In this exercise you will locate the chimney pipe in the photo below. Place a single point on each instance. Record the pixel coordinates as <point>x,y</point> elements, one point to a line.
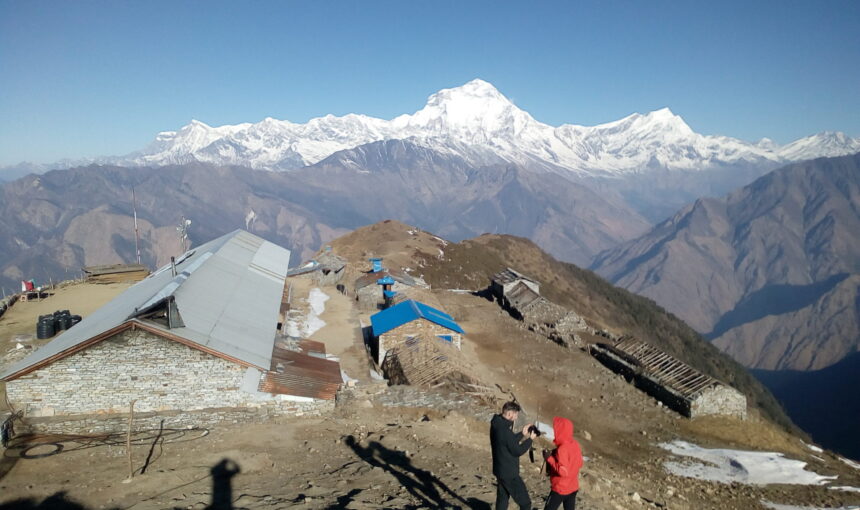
<point>173,266</point>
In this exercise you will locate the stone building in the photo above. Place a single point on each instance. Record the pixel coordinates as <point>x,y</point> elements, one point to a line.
<point>191,342</point>
<point>510,286</point>
<point>411,319</point>
<point>520,296</point>
<point>671,381</point>
<point>368,292</point>
<point>327,269</point>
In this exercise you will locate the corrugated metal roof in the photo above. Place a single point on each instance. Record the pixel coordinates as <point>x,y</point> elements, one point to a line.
<point>667,369</point>
<point>114,268</point>
<point>302,375</point>
<point>228,293</point>
<point>409,311</point>
<point>509,275</point>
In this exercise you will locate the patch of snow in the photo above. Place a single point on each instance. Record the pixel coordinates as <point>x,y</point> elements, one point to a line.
<point>346,378</point>
<point>460,291</point>
<point>845,488</point>
<point>376,375</point>
<point>813,448</point>
<point>747,467</point>
<point>305,326</point>
<point>249,219</point>
<point>850,462</point>
<point>777,506</point>
<point>316,300</point>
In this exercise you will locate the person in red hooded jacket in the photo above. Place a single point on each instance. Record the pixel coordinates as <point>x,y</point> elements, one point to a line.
<point>563,465</point>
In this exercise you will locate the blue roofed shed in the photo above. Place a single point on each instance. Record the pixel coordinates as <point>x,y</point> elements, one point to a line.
<point>411,319</point>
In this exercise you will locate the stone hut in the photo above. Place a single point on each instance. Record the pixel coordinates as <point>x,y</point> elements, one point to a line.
<point>327,269</point>
<point>510,286</point>
<point>193,343</point>
<point>671,381</point>
<point>411,319</point>
<point>520,296</point>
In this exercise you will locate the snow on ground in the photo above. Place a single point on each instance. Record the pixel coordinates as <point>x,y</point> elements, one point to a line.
<point>813,448</point>
<point>777,506</point>
<point>727,466</point>
<point>304,327</point>
<point>850,462</point>
<point>316,300</point>
<point>845,488</point>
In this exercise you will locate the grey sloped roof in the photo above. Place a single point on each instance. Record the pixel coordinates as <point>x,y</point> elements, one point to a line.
<point>228,293</point>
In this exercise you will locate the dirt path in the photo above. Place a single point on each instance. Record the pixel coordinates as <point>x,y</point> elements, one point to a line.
<point>341,323</point>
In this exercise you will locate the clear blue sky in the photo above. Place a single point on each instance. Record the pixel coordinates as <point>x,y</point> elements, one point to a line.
<point>88,78</point>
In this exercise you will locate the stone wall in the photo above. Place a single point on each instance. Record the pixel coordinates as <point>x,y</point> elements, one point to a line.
<point>720,400</point>
<point>163,376</point>
<point>414,328</point>
<point>118,422</point>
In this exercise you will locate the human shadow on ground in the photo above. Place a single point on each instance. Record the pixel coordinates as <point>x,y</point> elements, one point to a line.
<point>58,501</point>
<point>221,473</point>
<point>427,489</point>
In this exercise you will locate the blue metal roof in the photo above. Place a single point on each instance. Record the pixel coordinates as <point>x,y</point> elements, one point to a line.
<point>409,311</point>
<point>387,280</point>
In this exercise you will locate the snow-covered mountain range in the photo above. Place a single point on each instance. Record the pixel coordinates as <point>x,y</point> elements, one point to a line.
<point>476,122</point>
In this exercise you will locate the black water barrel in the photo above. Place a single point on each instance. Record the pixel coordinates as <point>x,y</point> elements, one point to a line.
<point>59,313</point>
<point>64,322</point>
<point>76,319</point>
<point>46,327</point>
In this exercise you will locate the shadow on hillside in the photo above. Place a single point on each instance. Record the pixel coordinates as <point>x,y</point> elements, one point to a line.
<point>420,483</point>
<point>773,300</point>
<point>221,473</point>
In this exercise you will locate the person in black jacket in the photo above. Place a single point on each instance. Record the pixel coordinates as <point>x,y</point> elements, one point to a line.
<point>507,448</point>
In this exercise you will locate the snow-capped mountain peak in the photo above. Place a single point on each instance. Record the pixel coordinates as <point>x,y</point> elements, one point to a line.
<point>479,124</point>
<point>475,113</point>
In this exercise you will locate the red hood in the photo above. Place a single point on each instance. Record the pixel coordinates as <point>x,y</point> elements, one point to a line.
<point>563,429</point>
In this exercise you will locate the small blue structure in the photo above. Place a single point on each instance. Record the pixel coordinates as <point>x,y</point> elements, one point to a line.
<point>386,280</point>
<point>408,311</point>
<point>377,264</point>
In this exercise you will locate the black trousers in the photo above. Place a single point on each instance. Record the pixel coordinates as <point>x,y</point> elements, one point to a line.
<point>555,499</point>
<point>514,487</point>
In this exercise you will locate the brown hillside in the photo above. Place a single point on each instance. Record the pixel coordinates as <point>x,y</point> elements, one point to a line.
<point>471,263</point>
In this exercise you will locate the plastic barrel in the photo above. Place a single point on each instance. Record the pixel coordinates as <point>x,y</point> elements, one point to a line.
<point>64,322</point>
<point>46,327</point>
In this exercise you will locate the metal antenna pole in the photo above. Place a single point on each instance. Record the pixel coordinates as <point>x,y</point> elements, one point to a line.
<point>136,232</point>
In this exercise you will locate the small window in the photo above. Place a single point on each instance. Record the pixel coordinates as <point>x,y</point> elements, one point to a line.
<point>447,338</point>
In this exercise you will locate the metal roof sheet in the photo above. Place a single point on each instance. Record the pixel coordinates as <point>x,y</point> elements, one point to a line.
<point>510,275</point>
<point>228,293</point>
<point>303,375</point>
<point>409,311</point>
